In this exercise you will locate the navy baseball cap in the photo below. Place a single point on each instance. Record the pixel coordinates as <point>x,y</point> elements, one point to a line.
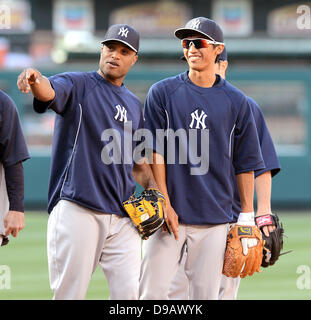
<point>207,27</point>
<point>123,33</point>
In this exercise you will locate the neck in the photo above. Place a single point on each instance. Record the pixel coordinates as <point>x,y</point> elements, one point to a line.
<point>203,79</point>
<point>116,81</point>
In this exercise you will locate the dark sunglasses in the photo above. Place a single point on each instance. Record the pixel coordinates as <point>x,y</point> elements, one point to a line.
<point>198,43</point>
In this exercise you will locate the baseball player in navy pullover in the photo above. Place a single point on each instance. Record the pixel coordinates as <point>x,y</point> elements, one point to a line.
<point>88,224</point>
<point>216,120</point>
<point>179,289</point>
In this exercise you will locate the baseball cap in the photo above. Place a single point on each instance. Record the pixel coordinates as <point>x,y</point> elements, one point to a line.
<point>123,33</point>
<point>207,27</point>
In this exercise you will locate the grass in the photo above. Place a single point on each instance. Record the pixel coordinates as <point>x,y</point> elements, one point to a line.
<point>280,280</point>
<point>27,259</point>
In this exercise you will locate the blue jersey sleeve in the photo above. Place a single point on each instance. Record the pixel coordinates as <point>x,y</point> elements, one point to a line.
<point>63,85</point>
<point>267,147</point>
<point>13,148</point>
<point>155,119</point>
<point>247,154</point>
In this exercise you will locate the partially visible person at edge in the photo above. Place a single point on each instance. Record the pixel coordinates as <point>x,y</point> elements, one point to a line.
<point>13,151</point>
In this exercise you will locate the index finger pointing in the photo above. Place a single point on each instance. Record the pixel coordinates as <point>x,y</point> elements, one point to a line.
<point>29,72</point>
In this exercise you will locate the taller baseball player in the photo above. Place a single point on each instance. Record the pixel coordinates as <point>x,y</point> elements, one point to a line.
<point>13,151</point>
<point>229,286</point>
<point>88,224</point>
<point>199,205</point>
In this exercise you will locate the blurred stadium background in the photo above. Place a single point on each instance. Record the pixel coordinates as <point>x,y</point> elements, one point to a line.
<point>269,49</point>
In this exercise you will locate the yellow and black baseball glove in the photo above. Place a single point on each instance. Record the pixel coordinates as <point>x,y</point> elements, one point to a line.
<point>146,211</point>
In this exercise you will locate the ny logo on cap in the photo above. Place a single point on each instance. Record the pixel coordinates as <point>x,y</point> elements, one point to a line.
<point>121,114</point>
<point>194,24</point>
<point>123,32</point>
<point>200,119</point>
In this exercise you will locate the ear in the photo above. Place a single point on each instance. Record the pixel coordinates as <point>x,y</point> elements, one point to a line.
<point>220,49</point>
<point>225,65</point>
<point>135,58</point>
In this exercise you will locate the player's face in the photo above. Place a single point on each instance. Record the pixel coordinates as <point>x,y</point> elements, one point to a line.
<point>116,60</point>
<point>201,58</point>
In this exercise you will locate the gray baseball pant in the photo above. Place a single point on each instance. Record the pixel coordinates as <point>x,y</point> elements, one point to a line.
<point>179,289</point>
<point>203,267</point>
<point>78,239</point>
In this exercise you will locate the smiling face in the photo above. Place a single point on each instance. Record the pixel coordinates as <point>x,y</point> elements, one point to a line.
<point>115,61</point>
<point>203,58</point>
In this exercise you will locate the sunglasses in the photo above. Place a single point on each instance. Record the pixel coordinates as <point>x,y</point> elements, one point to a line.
<point>198,43</point>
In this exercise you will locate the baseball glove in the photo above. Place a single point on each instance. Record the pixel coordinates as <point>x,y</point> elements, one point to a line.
<point>5,241</point>
<point>235,262</point>
<point>146,211</point>
<point>274,243</point>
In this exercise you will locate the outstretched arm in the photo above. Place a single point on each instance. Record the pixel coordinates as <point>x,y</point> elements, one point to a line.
<point>40,86</point>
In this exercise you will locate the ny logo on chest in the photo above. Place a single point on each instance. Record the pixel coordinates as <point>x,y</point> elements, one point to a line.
<point>198,120</point>
<point>121,114</point>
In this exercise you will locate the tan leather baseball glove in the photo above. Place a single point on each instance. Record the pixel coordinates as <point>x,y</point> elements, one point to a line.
<point>236,262</point>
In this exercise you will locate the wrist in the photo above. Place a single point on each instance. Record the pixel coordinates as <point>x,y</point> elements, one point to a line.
<point>263,212</point>
<point>264,220</point>
<point>167,201</point>
<point>16,212</point>
<point>246,218</point>
<point>151,184</point>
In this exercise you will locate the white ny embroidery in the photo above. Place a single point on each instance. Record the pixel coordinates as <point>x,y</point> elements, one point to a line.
<point>121,114</point>
<point>200,119</point>
<point>123,32</point>
<point>194,24</point>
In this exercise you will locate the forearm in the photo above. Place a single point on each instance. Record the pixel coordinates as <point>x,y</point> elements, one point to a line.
<point>42,90</point>
<point>14,178</point>
<point>245,183</point>
<point>159,171</point>
<point>263,185</point>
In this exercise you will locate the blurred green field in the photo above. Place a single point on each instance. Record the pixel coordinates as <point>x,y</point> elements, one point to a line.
<point>27,260</point>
